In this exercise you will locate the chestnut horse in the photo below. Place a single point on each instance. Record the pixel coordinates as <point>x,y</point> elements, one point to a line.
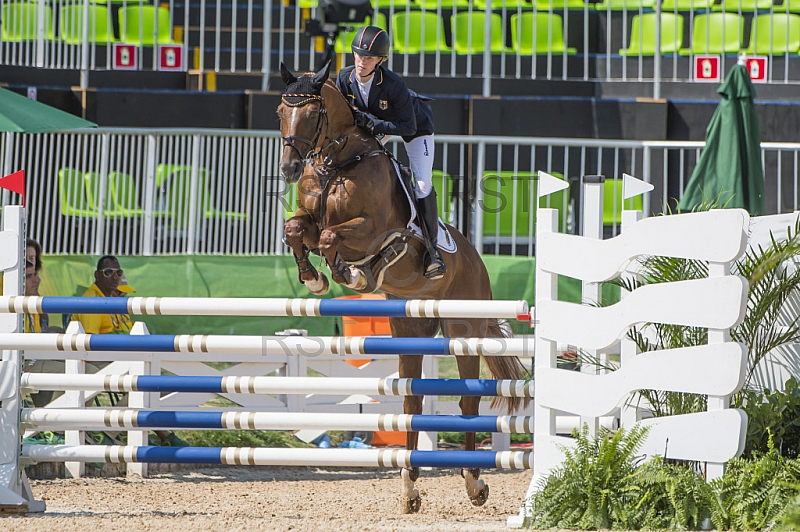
<point>354,212</point>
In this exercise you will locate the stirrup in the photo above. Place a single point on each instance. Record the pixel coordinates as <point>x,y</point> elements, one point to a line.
<point>434,267</point>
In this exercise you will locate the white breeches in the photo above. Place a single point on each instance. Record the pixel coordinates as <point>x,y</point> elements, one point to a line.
<point>420,158</point>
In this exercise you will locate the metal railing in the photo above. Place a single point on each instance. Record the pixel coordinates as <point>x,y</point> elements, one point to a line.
<point>540,40</point>
<point>162,191</point>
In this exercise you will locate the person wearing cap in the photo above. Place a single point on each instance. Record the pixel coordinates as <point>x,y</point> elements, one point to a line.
<point>108,282</point>
<point>384,106</point>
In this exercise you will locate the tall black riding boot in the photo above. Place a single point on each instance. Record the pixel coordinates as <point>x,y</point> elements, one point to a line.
<point>434,267</point>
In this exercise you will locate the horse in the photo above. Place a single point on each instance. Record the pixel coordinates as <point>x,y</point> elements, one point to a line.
<point>354,211</point>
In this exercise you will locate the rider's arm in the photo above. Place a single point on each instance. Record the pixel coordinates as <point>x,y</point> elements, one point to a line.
<point>406,122</point>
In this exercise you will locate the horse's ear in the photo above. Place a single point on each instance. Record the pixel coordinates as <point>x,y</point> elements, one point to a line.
<point>286,75</point>
<point>321,77</point>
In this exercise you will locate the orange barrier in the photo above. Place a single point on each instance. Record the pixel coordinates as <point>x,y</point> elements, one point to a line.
<point>371,326</point>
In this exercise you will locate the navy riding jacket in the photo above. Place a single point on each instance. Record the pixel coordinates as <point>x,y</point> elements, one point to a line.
<point>397,109</point>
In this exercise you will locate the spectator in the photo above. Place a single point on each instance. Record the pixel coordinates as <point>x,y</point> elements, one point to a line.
<point>107,282</point>
<point>33,265</point>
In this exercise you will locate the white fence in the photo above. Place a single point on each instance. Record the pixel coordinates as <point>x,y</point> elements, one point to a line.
<point>514,39</point>
<point>160,191</point>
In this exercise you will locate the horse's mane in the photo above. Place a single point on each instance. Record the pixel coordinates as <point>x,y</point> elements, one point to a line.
<point>338,108</point>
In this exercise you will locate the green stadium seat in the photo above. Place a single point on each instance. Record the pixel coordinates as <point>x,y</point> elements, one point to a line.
<point>686,5</point>
<point>424,32</point>
<point>72,194</point>
<point>500,4</point>
<point>559,5</point>
<point>776,34</point>
<point>644,30</point>
<point>736,6</point>
<point>342,44</point>
<point>397,4</point>
<point>92,180</point>
<point>101,28</point>
<point>146,25</point>
<point>716,33</point>
<point>446,4</point>
<point>468,33</point>
<point>20,22</point>
<point>124,191</point>
<point>625,5</point>
<point>788,6</point>
<point>613,204</point>
<point>538,33</point>
<point>501,212</point>
<point>175,190</point>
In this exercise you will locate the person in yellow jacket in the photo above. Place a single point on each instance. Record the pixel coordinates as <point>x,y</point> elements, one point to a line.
<point>108,282</point>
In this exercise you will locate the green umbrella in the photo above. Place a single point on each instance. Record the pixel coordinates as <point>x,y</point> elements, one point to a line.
<point>729,169</point>
<point>23,115</point>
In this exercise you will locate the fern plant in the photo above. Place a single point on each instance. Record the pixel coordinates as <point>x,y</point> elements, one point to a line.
<point>589,491</point>
<point>599,486</point>
<point>753,494</point>
<point>670,497</point>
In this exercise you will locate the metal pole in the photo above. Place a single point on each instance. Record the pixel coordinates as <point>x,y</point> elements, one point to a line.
<point>657,56</point>
<point>267,46</point>
<point>487,52</point>
<point>85,46</point>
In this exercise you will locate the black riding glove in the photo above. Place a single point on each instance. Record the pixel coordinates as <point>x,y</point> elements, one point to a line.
<point>364,120</point>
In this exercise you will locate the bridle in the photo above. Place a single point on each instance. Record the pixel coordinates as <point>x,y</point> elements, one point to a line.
<point>301,100</point>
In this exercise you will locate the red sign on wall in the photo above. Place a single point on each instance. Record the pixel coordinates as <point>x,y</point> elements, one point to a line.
<point>757,66</point>
<point>706,68</point>
<point>170,57</point>
<point>126,56</point>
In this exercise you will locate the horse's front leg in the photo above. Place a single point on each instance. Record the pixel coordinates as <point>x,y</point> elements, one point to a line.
<point>301,234</point>
<point>355,235</point>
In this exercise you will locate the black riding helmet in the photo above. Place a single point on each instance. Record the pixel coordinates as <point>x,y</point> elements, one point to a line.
<point>371,40</point>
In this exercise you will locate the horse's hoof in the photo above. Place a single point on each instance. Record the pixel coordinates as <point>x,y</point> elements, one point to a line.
<point>481,497</point>
<point>412,506</point>
<point>318,286</point>
<point>358,281</point>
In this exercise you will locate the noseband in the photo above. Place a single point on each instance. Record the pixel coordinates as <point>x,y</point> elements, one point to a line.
<point>300,100</point>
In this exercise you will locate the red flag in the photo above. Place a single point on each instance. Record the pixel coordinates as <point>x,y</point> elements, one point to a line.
<point>15,183</point>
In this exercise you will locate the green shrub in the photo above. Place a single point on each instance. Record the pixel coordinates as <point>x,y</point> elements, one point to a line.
<point>753,493</point>
<point>599,486</point>
<point>776,414</point>
<point>591,489</point>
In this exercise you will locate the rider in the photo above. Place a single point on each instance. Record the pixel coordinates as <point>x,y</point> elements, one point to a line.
<point>384,105</point>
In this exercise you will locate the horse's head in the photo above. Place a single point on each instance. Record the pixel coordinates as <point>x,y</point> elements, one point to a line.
<point>303,115</point>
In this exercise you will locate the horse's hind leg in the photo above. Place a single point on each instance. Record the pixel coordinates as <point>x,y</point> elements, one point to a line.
<point>469,367</point>
<point>411,368</point>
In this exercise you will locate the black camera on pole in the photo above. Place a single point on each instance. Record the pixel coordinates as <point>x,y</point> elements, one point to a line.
<point>336,16</point>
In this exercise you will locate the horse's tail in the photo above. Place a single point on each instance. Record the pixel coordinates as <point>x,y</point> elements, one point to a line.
<point>505,367</point>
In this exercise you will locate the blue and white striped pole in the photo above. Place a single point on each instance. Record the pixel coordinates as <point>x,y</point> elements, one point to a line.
<point>270,345</point>
<point>278,385</point>
<point>219,306</point>
<point>282,456</point>
<point>102,419</point>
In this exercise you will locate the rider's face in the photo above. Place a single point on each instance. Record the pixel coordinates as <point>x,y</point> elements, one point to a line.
<point>365,65</point>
